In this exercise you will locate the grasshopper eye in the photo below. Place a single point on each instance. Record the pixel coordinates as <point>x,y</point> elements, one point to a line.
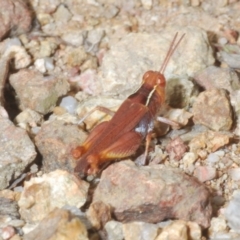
<point>161,80</point>
<point>146,75</point>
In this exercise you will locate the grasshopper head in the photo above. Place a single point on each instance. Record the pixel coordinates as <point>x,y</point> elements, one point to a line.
<point>153,79</point>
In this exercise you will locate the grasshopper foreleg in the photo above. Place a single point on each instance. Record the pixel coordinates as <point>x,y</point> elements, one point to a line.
<point>172,123</point>
<point>97,108</point>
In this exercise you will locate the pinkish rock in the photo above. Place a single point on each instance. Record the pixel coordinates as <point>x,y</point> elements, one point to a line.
<point>212,109</point>
<point>205,173</point>
<point>17,17</point>
<point>37,92</point>
<point>209,140</point>
<point>59,224</point>
<point>152,194</point>
<point>55,141</point>
<point>16,152</point>
<point>216,78</point>
<point>176,148</point>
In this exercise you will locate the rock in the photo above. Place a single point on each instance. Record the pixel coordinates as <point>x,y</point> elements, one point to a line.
<point>12,48</point>
<point>43,91</point>
<point>212,159</point>
<point>176,148</point>
<point>7,232</point>
<point>140,230</point>
<point>176,230</point>
<point>29,117</point>
<point>147,4</point>
<point>181,116</point>
<point>93,39</point>
<point>56,189</point>
<point>180,230</point>
<point>88,82</point>
<point>9,208</point>
<point>179,91</point>
<point>158,197</point>
<point>235,102</point>
<point>205,173</point>
<point>188,162</point>
<point>232,214</point>
<point>231,59</point>
<point>212,109</point>
<point>114,230</point>
<point>16,152</point>
<point>17,17</point>
<point>62,14</point>
<point>234,173</point>
<point>69,103</point>
<point>74,56</point>
<point>218,225</point>
<point>58,224</point>
<point>216,78</point>
<point>124,65</point>
<point>98,214</point>
<point>194,231</point>
<point>55,141</point>
<point>209,140</point>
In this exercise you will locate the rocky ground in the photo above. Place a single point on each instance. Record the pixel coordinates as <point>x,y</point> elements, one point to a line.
<point>59,60</point>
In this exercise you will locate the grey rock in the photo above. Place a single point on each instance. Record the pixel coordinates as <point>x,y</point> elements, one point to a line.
<point>9,207</point>
<point>59,224</point>
<point>55,141</point>
<point>16,152</point>
<point>37,92</point>
<point>114,230</point>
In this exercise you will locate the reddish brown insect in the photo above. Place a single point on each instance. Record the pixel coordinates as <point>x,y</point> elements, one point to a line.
<point>120,137</point>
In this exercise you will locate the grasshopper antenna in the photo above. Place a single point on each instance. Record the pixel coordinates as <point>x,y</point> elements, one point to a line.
<point>170,52</point>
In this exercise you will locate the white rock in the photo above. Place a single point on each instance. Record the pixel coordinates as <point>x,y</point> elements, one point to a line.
<point>232,212</point>
<point>140,230</point>
<point>114,230</point>
<point>188,161</point>
<point>75,38</point>
<point>176,230</point>
<point>69,103</point>
<point>147,4</point>
<point>40,65</point>
<point>55,189</point>
<point>212,158</point>
<point>234,173</point>
<point>218,224</point>
<point>62,14</point>
<point>30,117</point>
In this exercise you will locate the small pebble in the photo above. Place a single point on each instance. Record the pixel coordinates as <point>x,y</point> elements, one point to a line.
<point>212,158</point>
<point>222,41</point>
<point>69,103</point>
<point>8,232</point>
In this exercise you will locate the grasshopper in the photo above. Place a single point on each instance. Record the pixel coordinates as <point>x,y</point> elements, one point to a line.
<point>120,137</point>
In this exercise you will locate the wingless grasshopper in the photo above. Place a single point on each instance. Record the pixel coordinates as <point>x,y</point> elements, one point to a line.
<point>120,137</point>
